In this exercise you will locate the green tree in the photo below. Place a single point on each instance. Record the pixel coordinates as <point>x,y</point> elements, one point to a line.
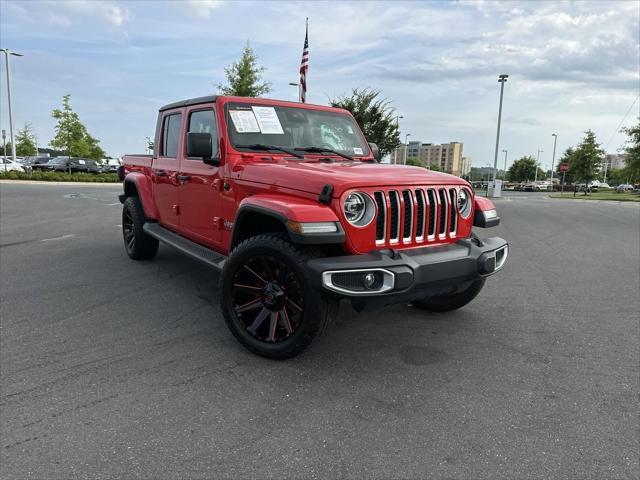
<point>524,169</point>
<point>72,136</point>
<point>632,150</point>
<point>244,77</point>
<point>586,159</point>
<point>414,162</point>
<point>374,115</point>
<point>25,142</point>
<point>567,157</point>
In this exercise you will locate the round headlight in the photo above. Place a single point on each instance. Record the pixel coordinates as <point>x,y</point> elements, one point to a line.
<point>358,209</point>
<point>464,203</point>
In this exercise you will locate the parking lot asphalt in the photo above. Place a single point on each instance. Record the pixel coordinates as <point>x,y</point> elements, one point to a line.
<point>114,368</point>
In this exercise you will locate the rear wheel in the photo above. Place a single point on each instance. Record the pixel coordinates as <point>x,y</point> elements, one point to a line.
<point>453,301</point>
<point>267,300</point>
<point>137,243</point>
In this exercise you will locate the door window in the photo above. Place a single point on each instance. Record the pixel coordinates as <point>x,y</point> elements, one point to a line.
<point>204,121</point>
<point>171,135</point>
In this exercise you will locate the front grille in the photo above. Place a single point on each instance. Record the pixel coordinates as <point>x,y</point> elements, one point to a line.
<point>408,215</point>
<point>381,225</point>
<point>420,215</point>
<point>394,216</point>
<point>453,215</point>
<point>442,219</point>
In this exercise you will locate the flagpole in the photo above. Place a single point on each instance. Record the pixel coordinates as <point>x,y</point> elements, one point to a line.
<point>306,36</point>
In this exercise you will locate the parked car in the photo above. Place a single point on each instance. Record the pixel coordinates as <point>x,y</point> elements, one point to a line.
<point>625,187</point>
<point>109,168</point>
<point>28,162</point>
<point>8,165</point>
<point>288,201</point>
<point>69,165</point>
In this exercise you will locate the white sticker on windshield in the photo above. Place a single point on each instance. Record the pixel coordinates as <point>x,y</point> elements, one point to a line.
<point>81,162</point>
<point>268,120</point>
<point>244,121</point>
<point>357,151</point>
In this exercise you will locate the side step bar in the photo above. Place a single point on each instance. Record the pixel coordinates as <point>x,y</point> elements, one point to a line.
<point>194,250</point>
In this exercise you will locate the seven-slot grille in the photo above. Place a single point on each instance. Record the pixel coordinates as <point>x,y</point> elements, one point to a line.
<point>416,215</point>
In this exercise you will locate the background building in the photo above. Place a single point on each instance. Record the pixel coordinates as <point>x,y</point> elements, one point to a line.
<point>465,168</point>
<point>615,160</point>
<point>447,156</point>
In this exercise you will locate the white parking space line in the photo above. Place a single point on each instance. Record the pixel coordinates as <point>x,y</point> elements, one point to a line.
<point>56,239</point>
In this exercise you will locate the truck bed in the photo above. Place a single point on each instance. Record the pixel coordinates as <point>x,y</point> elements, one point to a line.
<point>136,163</point>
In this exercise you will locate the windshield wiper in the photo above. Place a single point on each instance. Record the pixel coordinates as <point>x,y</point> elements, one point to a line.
<point>262,146</point>
<point>324,150</point>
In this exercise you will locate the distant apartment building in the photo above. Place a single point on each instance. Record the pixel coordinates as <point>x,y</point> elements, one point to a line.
<point>615,160</point>
<point>465,168</point>
<point>447,156</point>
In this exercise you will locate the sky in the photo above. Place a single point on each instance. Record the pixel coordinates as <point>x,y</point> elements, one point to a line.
<point>572,65</point>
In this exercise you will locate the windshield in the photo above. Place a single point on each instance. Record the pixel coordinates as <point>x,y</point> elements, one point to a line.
<point>294,128</point>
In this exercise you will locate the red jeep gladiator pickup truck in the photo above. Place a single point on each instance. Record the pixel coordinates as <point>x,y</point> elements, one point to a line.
<point>289,202</point>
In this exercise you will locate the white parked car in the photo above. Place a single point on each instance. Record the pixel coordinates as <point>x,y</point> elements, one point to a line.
<point>8,165</point>
<point>625,187</point>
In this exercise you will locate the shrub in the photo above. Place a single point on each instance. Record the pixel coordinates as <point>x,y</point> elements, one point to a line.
<point>60,177</point>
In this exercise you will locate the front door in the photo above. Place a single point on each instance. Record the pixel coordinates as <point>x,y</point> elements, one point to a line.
<point>165,169</point>
<point>201,184</point>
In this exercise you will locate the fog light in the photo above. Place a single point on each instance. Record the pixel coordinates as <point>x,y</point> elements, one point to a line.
<point>369,280</point>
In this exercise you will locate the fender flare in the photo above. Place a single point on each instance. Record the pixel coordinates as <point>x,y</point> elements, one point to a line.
<point>286,209</point>
<point>485,214</point>
<point>141,184</point>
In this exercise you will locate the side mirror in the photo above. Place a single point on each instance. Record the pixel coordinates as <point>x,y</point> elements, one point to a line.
<point>376,151</point>
<point>201,145</point>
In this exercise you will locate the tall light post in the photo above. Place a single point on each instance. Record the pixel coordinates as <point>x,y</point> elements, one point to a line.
<point>504,175</point>
<point>502,79</point>
<point>7,54</point>
<point>406,147</point>
<point>395,152</point>
<point>537,163</point>
<point>553,157</point>
<point>294,84</point>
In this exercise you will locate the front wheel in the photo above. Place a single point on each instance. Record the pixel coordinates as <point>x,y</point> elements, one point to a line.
<point>453,301</point>
<point>137,243</point>
<point>267,300</point>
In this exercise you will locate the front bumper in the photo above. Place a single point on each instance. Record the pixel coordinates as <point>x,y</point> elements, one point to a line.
<point>404,275</point>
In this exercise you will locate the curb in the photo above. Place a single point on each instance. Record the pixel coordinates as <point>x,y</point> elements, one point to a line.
<point>82,184</point>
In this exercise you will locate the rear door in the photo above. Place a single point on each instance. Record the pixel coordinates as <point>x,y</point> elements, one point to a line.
<point>165,168</point>
<point>201,184</point>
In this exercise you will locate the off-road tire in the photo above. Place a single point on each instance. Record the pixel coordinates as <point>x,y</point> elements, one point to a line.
<point>138,245</point>
<point>318,309</point>
<point>447,303</point>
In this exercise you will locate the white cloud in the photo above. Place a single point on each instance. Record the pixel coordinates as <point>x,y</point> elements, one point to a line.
<point>67,13</point>
<point>203,8</point>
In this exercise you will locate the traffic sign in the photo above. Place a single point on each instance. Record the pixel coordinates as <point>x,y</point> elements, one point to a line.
<point>564,167</point>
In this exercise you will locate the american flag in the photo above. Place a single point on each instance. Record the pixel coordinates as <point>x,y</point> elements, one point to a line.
<point>304,66</point>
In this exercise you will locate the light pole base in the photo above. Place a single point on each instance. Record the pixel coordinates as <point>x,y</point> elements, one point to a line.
<point>495,189</point>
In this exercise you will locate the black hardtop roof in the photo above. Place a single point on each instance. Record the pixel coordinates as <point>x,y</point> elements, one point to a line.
<point>190,101</point>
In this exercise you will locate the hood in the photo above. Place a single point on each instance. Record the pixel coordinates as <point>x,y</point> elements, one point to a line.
<point>312,176</point>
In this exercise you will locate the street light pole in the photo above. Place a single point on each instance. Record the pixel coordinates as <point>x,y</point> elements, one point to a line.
<point>504,175</point>
<point>395,152</point>
<point>553,157</point>
<point>406,147</point>
<point>502,80</point>
<point>8,53</point>
<point>537,163</point>
<point>294,84</point>
<point>4,145</point>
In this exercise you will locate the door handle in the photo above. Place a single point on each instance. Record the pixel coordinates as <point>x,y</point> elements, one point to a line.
<point>184,178</point>
<point>160,173</point>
